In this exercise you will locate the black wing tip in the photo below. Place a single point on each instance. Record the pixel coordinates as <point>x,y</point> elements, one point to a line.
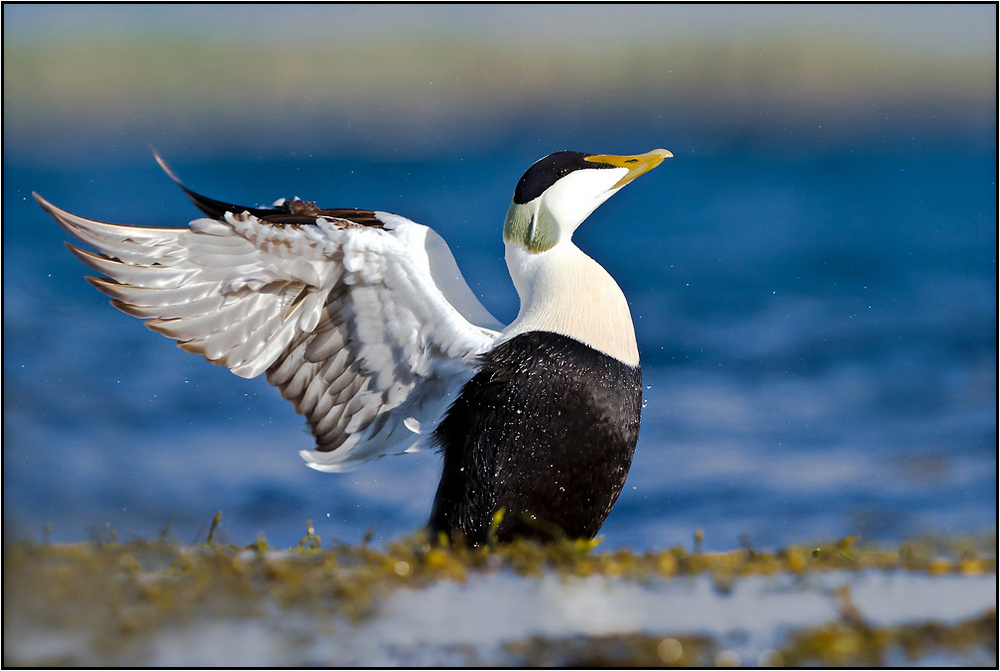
<point>289,212</point>
<point>216,209</point>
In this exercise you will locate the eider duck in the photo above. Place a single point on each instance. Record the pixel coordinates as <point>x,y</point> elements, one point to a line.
<point>364,322</point>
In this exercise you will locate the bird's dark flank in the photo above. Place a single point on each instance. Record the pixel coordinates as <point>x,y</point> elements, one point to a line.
<point>545,431</point>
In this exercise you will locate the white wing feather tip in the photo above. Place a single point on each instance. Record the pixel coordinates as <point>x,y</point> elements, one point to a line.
<point>368,331</point>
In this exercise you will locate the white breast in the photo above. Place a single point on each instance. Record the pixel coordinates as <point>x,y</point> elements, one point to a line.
<point>565,291</point>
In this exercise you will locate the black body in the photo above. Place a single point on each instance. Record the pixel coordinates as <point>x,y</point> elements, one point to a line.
<point>545,430</point>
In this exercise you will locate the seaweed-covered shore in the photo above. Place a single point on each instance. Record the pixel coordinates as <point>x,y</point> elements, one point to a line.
<point>414,602</point>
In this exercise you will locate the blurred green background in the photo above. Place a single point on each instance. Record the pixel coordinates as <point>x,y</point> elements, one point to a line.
<point>401,79</point>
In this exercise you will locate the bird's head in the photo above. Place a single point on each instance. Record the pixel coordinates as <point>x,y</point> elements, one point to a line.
<point>559,191</point>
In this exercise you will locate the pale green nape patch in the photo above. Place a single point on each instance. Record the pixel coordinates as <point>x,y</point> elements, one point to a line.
<point>530,226</point>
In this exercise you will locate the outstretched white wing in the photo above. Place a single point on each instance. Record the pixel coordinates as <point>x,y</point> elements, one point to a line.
<point>367,328</point>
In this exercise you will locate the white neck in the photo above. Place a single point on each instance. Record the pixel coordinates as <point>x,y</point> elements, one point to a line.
<point>565,291</point>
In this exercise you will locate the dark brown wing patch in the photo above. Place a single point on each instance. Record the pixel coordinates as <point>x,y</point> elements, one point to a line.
<point>304,212</point>
<point>288,212</point>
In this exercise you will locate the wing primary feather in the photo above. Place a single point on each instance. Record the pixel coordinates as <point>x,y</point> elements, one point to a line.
<point>151,276</point>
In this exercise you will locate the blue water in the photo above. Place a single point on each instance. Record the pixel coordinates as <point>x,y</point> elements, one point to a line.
<point>817,324</point>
